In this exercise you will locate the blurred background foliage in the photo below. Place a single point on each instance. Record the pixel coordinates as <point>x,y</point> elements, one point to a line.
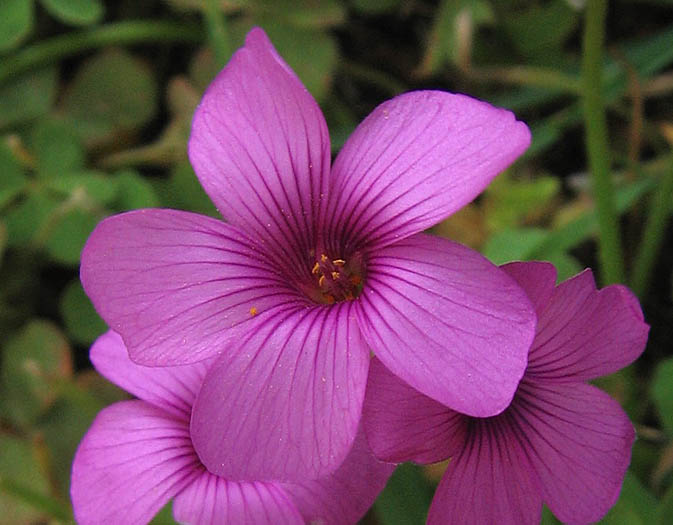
<point>96,99</point>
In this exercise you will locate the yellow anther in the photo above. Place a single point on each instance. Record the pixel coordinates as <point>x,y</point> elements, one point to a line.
<point>323,258</point>
<point>316,269</point>
<point>253,311</point>
<point>321,281</point>
<point>335,276</point>
<point>338,262</point>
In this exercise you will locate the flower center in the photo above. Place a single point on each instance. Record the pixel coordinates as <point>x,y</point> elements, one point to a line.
<point>337,279</point>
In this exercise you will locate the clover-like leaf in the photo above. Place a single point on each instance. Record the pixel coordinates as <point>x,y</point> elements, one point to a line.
<point>16,22</point>
<point>34,361</point>
<point>113,92</point>
<point>27,96</point>
<point>81,320</point>
<point>75,12</point>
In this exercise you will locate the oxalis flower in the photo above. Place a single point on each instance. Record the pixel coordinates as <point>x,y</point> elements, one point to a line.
<point>561,441</point>
<point>314,267</point>
<point>138,455</point>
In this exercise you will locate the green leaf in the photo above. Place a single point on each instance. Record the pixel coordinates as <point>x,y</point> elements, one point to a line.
<point>523,244</point>
<point>164,516</point>
<point>297,13</point>
<point>63,427</point>
<point>665,508</point>
<point>623,386</point>
<point>100,388</point>
<point>636,505</point>
<point>171,147</point>
<point>183,191</point>
<point>111,93</point>
<point>35,361</point>
<point>27,219</point>
<point>566,265</point>
<point>16,22</point>
<point>58,148</point>
<point>134,192</point>
<point>81,320</point>
<point>569,235</point>
<point>508,201</point>
<point>68,234</point>
<point>513,245</point>
<point>12,178</point>
<point>3,240</point>
<point>28,96</point>
<point>20,468</point>
<point>648,55</point>
<point>75,12</point>
<point>375,6</point>
<point>540,30</point>
<point>85,186</point>
<point>547,517</point>
<point>661,390</point>
<point>406,497</point>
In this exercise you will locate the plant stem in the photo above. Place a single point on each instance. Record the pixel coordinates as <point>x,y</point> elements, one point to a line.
<point>528,76</point>
<point>610,249</point>
<point>655,228</point>
<point>217,33</point>
<point>131,32</point>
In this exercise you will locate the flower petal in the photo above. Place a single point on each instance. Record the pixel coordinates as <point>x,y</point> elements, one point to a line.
<point>285,402</point>
<point>171,388</point>
<point>489,482</point>
<point>416,159</point>
<point>538,280</point>
<point>585,333</point>
<point>448,322</point>
<point>131,462</point>
<point>404,425</point>
<point>579,442</point>
<point>344,496</point>
<point>173,283</point>
<point>211,500</point>
<point>261,150</point>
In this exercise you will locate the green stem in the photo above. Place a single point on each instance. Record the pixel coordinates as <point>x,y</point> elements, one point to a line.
<point>130,32</point>
<point>653,235</point>
<point>528,76</point>
<point>217,33</point>
<point>610,249</point>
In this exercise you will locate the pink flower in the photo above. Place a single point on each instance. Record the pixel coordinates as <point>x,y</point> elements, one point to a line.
<point>138,455</point>
<point>561,441</point>
<point>315,267</point>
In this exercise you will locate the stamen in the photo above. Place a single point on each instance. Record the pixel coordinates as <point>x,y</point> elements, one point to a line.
<point>337,279</point>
